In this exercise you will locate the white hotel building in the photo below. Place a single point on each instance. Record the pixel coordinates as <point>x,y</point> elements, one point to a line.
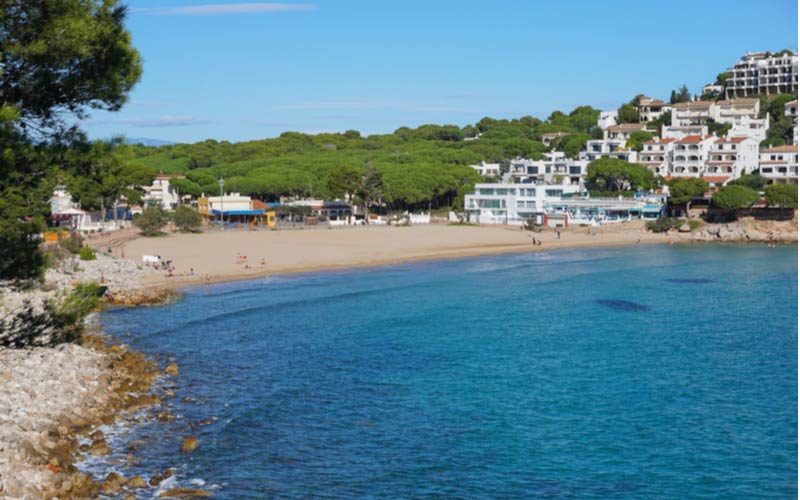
<point>556,168</point>
<point>513,203</point>
<point>762,73</point>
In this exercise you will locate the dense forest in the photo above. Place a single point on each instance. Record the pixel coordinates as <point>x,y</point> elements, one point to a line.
<point>422,167</point>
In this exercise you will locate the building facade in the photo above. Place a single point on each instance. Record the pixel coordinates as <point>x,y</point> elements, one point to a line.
<point>651,109</point>
<point>513,203</point>
<point>762,73</point>
<point>779,164</point>
<point>556,168</point>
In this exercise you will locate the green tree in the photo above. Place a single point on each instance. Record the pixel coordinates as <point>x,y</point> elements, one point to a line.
<point>637,139</point>
<point>735,198</point>
<point>612,174</point>
<point>370,189</point>
<point>753,181</point>
<point>628,113</point>
<point>781,195</point>
<point>57,60</point>
<point>151,220</point>
<point>682,95</point>
<point>682,190</point>
<point>186,218</point>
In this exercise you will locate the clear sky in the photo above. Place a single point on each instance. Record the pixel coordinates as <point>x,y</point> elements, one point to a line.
<point>249,70</point>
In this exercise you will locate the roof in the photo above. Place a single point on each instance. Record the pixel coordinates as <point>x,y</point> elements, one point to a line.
<point>663,140</point>
<point>554,134</point>
<point>170,176</point>
<point>781,149</point>
<point>714,178</point>
<point>743,102</point>
<point>692,105</point>
<point>737,139</point>
<point>627,127</point>
<point>693,139</point>
<point>791,103</point>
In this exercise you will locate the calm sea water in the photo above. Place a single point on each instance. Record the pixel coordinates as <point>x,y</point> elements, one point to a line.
<point>647,372</point>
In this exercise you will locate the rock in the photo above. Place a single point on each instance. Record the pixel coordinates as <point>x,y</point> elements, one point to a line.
<point>136,482</point>
<point>172,369</point>
<point>685,228</point>
<point>129,496</point>
<point>165,417</point>
<point>189,444</point>
<point>169,394</point>
<point>185,493</point>
<point>112,484</point>
<point>158,478</point>
<point>100,447</point>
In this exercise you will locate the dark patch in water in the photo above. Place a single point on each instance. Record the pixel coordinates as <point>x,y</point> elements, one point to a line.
<point>699,281</point>
<point>622,305</point>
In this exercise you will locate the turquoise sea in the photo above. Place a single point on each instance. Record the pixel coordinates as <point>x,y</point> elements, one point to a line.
<point>640,372</point>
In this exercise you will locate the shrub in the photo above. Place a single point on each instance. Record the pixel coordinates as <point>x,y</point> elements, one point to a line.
<point>663,224</point>
<point>72,243</point>
<point>87,253</point>
<point>187,219</point>
<point>150,221</point>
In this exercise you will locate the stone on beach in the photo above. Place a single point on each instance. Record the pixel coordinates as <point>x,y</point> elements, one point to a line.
<point>189,444</point>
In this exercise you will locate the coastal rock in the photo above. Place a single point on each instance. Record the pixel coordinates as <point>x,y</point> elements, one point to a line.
<point>172,369</point>
<point>189,444</point>
<point>185,493</point>
<point>112,485</point>
<point>99,448</point>
<point>136,482</point>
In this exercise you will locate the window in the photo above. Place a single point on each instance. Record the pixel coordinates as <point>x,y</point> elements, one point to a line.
<point>554,192</point>
<point>575,170</point>
<point>485,191</point>
<point>533,170</point>
<point>547,170</point>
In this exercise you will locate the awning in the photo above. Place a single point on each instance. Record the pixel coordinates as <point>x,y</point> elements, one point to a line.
<point>237,212</point>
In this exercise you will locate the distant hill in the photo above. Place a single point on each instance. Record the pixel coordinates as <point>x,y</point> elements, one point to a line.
<point>148,141</point>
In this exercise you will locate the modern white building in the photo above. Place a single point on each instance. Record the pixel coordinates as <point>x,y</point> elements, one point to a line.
<point>513,203</point>
<point>679,132</point>
<point>762,73</point>
<point>651,109</point>
<point>790,110</point>
<point>691,113</point>
<point>161,194</point>
<point>487,169</point>
<point>779,164</point>
<point>731,157</point>
<point>608,148</point>
<point>607,119</point>
<point>556,168</point>
<point>623,131</point>
<point>656,155</point>
<point>595,211</point>
<point>689,155</point>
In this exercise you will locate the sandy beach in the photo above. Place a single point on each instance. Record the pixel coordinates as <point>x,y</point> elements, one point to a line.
<point>220,254</point>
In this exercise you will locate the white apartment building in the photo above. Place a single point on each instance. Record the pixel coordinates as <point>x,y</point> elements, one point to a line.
<point>762,73</point>
<point>651,109</point>
<point>733,110</point>
<point>657,155</point>
<point>608,148</point>
<point>679,132</point>
<point>623,132</point>
<point>790,110</point>
<point>732,157</point>
<point>513,203</point>
<point>161,194</point>
<point>689,155</point>
<point>691,113</point>
<point>487,169</point>
<point>607,119</point>
<point>779,164</point>
<point>556,168</point>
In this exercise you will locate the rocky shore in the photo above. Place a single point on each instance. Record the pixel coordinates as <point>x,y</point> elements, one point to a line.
<point>54,399</point>
<point>745,230</point>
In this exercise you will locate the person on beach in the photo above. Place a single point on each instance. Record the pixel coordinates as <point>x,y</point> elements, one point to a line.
<point>207,279</point>
<point>558,234</point>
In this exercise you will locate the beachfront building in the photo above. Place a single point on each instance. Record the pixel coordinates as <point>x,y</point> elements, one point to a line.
<point>66,213</point>
<point>161,194</point>
<point>486,169</point>
<point>513,204</point>
<point>335,210</point>
<point>763,73</point>
<point>651,109</point>
<point>731,157</point>
<point>233,208</point>
<point>689,155</point>
<point>691,113</point>
<point>608,148</point>
<point>594,211</point>
<point>607,119</point>
<point>656,155</point>
<point>556,168</point>
<point>779,164</point>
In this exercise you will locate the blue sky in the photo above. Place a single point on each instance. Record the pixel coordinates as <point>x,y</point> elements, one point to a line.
<point>249,70</point>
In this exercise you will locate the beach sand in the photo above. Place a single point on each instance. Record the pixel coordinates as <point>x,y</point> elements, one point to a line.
<point>217,253</point>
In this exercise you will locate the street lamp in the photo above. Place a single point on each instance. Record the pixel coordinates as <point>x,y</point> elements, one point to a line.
<point>221,202</point>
